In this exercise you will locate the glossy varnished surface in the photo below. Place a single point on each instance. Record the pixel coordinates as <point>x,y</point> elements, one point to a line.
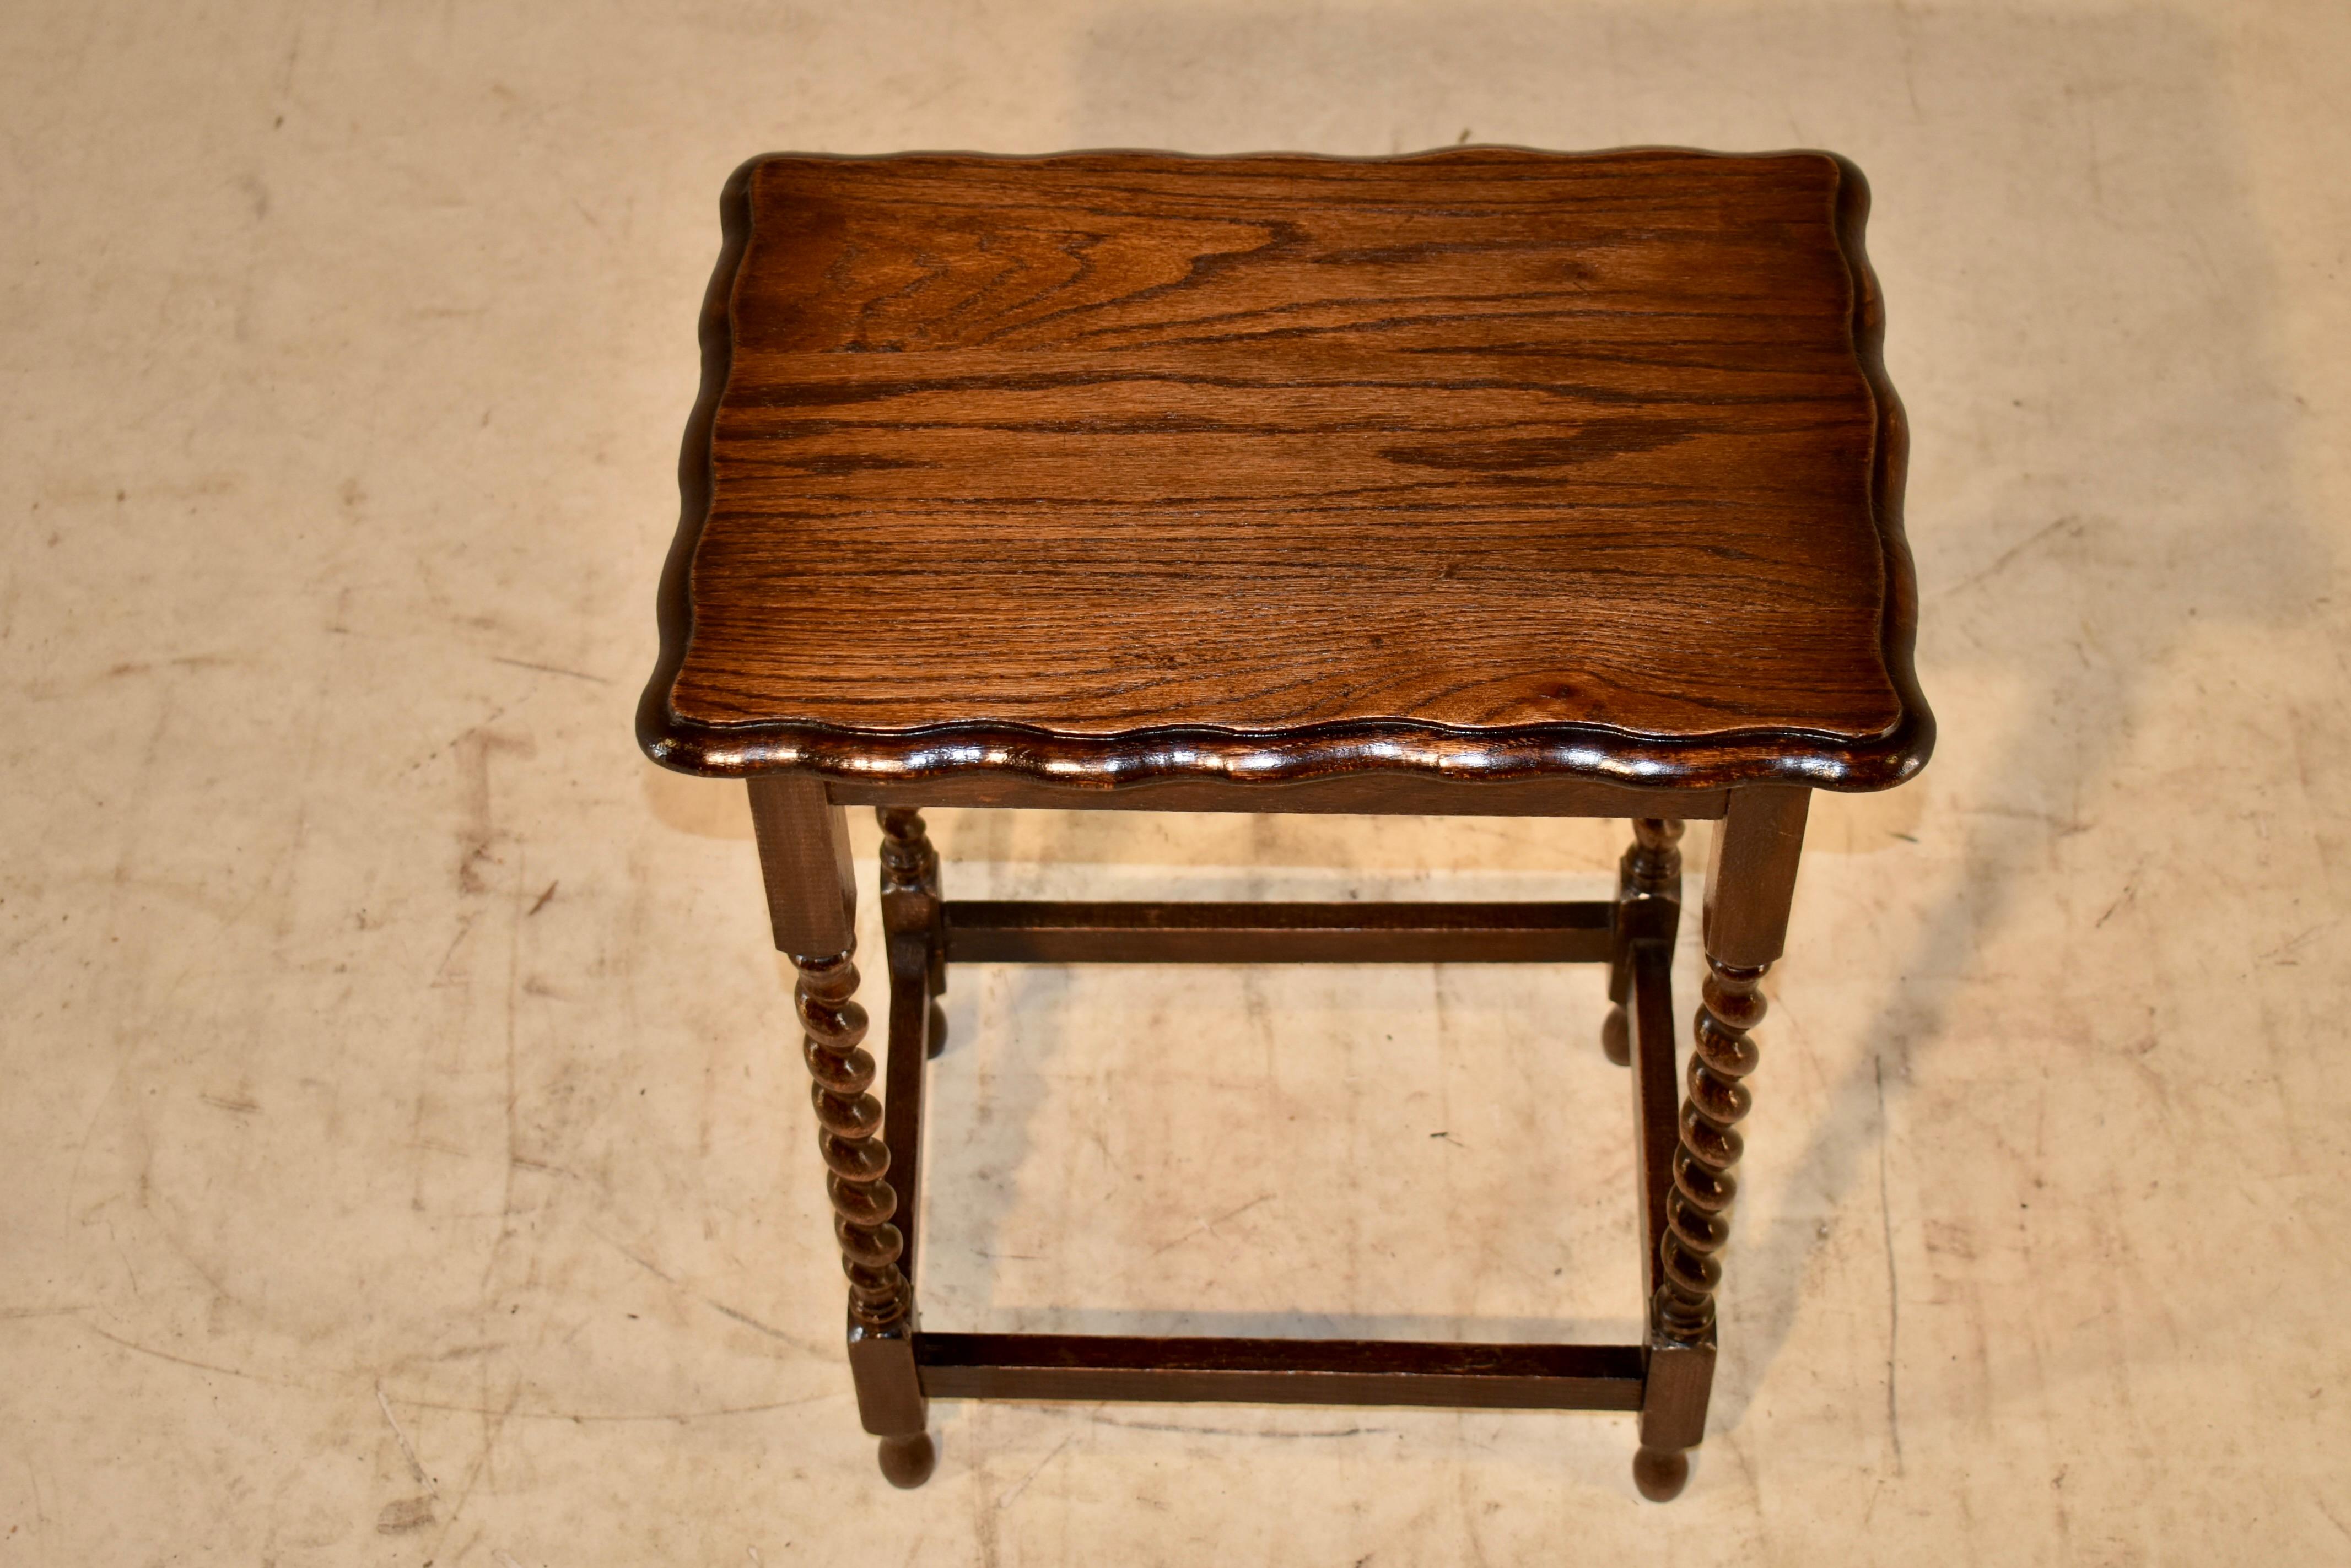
<point>1108,468</point>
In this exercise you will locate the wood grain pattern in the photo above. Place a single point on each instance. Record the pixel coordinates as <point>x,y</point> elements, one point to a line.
<point>804,863</point>
<point>1114,468</point>
<point>1750,874</point>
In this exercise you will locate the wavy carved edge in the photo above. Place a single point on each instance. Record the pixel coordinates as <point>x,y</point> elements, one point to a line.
<point>1595,753</point>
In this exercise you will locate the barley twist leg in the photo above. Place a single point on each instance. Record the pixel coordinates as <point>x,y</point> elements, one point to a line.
<point>849,1120</point>
<point>1697,1209</point>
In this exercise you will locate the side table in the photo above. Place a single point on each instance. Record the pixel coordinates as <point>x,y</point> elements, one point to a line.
<point>1487,481</point>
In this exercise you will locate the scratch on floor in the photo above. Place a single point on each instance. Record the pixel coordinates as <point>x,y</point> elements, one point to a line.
<point>747,1321</point>
<point>465,929</point>
<point>513,1117</point>
<point>491,1426</point>
<point>1022,1484</point>
<point>41,1510</point>
<point>2293,944</point>
<point>495,715</point>
<point>416,1467</point>
<point>1102,1420</point>
<point>1893,1282</point>
<point>644,1263</point>
<point>1206,1225</point>
<point>581,1418</point>
<point>2007,556</point>
<point>550,669</point>
<point>183,1360</point>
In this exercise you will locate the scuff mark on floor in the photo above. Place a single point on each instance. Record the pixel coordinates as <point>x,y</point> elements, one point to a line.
<point>1893,1281</point>
<point>1022,1484</point>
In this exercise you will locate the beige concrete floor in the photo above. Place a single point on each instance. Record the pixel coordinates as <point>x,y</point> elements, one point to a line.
<point>403,1156</point>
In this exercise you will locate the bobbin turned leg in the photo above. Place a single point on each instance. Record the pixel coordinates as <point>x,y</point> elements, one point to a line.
<point>910,904</point>
<point>1749,881</point>
<point>811,901</point>
<point>1650,871</point>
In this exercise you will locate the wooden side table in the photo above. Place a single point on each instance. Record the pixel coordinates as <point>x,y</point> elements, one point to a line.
<point>1486,482</point>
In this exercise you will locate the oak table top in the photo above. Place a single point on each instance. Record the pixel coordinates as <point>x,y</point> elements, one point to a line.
<point>1121,467</point>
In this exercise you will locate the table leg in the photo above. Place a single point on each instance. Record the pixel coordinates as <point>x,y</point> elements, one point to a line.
<point>1751,881</point>
<point>911,903</point>
<point>811,903</point>
<point>1651,868</point>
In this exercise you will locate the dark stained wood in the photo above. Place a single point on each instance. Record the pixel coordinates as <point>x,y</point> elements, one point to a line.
<point>1481,482</point>
<point>911,905</point>
<point>1367,793</point>
<point>889,1387</point>
<point>890,1401</point>
<point>804,864</point>
<point>812,901</point>
<point>856,1159</point>
<point>1485,465</point>
<point>1750,888</point>
<point>1677,1374</point>
<point>1750,877</point>
<point>1679,1385</point>
<point>911,1010</point>
<point>1674,1400</point>
<point>882,1361</point>
<point>1650,875</point>
<point>910,871</point>
<point>1203,932</point>
<point>907,1461</point>
<point>1697,1217</point>
<point>1657,1090</point>
<point>1281,1371</point>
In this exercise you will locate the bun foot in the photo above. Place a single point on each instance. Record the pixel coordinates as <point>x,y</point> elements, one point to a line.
<point>1616,1037</point>
<point>908,1462</point>
<point>938,1031</point>
<point>1661,1473</point>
